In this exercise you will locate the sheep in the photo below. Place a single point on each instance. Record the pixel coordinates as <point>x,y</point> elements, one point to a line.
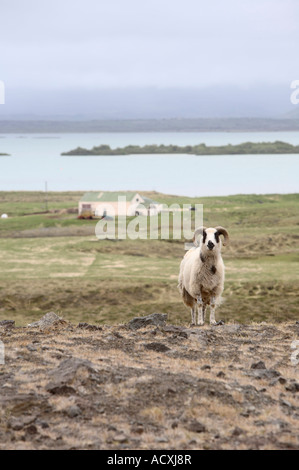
<point>201,278</point>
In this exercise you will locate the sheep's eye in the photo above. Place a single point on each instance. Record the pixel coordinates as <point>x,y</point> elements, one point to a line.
<point>217,237</point>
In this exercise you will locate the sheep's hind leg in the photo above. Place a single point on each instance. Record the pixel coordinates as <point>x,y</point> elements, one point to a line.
<point>212,312</point>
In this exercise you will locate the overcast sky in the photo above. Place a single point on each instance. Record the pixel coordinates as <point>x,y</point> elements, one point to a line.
<point>78,46</point>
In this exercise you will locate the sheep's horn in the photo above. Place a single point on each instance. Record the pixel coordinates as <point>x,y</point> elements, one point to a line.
<point>223,232</point>
<point>198,231</point>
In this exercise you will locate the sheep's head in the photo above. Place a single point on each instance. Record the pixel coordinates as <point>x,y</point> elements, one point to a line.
<point>210,238</point>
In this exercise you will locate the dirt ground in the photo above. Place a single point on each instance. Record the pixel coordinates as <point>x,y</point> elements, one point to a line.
<point>149,385</point>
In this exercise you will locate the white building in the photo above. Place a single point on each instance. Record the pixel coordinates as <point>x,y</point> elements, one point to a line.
<point>118,203</point>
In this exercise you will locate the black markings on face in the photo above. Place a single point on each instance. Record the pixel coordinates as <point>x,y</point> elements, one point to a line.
<point>204,236</point>
<point>217,237</point>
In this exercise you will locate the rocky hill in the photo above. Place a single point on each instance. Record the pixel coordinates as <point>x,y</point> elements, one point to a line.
<point>149,385</point>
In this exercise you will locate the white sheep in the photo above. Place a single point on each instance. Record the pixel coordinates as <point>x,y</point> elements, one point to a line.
<point>201,278</point>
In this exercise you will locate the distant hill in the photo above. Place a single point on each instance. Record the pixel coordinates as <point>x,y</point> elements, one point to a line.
<point>247,148</point>
<point>151,125</point>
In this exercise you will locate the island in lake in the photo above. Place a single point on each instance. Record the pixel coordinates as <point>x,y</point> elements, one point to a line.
<point>4,155</point>
<point>247,148</point>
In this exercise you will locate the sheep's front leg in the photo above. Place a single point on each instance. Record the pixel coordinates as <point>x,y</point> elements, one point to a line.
<point>212,312</point>
<point>201,311</point>
<point>201,314</point>
<point>193,316</point>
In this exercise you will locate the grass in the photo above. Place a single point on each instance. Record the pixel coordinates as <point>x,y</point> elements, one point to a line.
<point>53,261</point>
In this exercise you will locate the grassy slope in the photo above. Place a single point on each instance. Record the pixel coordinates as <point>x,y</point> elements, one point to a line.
<point>59,265</point>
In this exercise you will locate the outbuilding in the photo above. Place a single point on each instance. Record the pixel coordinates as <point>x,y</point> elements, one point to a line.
<point>124,203</point>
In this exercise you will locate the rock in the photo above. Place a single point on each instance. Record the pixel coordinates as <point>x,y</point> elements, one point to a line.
<point>73,411</point>
<point>292,387</point>
<point>7,323</point>
<point>117,335</point>
<point>60,389</point>
<point>282,425</point>
<point>196,426</point>
<point>285,403</point>
<point>137,429</point>
<point>19,423</point>
<point>278,380</point>
<point>87,326</point>
<point>162,440</point>
<point>259,423</point>
<point>31,429</point>
<point>281,380</point>
<point>198,336</point>
<point>220,374</point>
<point>258,365</point>
<point>158,347</point>
<point>237,431</point>
<point>109,337</point>
<point>110,427</point>
<point>48,320</point>
<point>16,424</point>
<point>71,374</point>
<point>177,331</point>
<point>192,442</point>
<point>158,319</point>
<point>6,385</point>
<point>43,424</point>
<point>121,438</point>
<point>268,374</point>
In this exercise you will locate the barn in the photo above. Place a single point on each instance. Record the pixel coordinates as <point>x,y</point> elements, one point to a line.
<point>110,203</point>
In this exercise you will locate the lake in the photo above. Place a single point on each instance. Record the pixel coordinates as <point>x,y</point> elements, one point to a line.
<point>35,159</point>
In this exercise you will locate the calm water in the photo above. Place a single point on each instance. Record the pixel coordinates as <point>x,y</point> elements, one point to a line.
<point>36,159</point>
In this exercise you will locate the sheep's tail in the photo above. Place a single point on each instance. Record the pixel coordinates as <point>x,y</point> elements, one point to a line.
<point>180,286</point>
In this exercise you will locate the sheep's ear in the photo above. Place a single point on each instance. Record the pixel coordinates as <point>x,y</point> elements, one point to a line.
<point>198,231</point>
<point>223,232</point>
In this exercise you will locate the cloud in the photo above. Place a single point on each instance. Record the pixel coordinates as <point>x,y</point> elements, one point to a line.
<point>94,45</point>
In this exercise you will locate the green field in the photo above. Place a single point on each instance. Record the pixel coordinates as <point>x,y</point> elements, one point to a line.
<point>50,260</point>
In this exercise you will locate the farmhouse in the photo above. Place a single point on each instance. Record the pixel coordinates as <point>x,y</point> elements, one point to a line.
<point>117,203</point>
